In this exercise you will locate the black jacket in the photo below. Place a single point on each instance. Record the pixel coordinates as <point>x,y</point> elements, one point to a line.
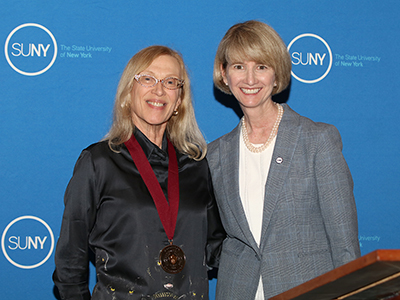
<point>109,210</point>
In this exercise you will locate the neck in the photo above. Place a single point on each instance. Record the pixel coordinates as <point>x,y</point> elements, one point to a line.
<point>153,133</point>
<point>263,134</point>
<point>259,121</point>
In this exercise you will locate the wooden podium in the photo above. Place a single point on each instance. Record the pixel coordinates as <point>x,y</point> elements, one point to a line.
<point>373,276</point>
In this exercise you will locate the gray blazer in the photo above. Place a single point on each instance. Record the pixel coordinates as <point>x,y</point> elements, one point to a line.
<point>309,219</point>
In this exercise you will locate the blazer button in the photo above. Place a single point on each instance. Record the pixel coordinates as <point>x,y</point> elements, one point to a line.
<point>279,160</point>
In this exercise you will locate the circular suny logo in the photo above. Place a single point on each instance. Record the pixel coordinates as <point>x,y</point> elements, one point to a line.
<point>30,49</point>
<point>27,242</point>
<point>311,58</point>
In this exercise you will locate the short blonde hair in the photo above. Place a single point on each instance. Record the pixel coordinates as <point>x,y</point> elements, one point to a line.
<point>182,129</point>
<point>253,41</point>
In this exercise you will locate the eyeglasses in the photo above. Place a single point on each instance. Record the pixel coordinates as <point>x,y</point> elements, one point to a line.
<point>170,83</point>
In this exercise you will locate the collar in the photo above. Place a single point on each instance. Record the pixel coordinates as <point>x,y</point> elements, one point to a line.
<point>149,147</point>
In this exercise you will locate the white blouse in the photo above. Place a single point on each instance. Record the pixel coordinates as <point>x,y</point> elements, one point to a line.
<point>253,173</point>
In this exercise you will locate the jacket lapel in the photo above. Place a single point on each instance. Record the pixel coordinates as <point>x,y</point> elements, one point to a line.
<point>282,156</point>
<point>230,171</point>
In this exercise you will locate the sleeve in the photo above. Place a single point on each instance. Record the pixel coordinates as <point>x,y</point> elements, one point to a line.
<point>72,251</point>
<point>335,190</point>
<point>216,233</point>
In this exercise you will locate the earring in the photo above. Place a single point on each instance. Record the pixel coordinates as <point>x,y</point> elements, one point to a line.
<point>175,113</point>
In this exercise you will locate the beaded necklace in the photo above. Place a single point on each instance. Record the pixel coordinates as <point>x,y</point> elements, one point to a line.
<point>271,135</point>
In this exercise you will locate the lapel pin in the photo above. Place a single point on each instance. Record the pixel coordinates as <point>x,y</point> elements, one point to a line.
<point>279,160</point>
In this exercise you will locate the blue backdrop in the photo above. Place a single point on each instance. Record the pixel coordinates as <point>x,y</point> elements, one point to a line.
<point>62,61</point>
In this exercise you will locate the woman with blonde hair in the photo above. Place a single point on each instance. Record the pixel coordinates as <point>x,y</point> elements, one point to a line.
<point>182,129</point>
<point>142,199</point>
<point>283,188</point>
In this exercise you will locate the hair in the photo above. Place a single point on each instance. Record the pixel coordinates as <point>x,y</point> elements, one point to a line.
<point>253,41</point>
<point>182,129</point>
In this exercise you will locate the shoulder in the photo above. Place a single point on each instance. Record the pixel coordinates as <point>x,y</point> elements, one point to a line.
<point>97,148</point>
<point>306,125</point>
<point>102,150</point>
<point>213,146</point>
<point>191,168</point>
<point>308,133</point>
<point>226,139</point>
<point>95,153</point>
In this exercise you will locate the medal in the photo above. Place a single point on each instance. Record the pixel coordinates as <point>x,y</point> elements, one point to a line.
<point>172,259</point>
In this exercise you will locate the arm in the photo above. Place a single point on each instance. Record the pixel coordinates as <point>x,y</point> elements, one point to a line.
<point>335,190</point>
<point>216,233</point>
<point>71,256</point>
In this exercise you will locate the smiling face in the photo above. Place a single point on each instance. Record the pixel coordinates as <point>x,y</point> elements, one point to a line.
<point>152,107</point>
<point>251,83</point>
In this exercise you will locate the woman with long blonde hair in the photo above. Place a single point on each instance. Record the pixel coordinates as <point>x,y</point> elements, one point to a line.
<point>142,199</point>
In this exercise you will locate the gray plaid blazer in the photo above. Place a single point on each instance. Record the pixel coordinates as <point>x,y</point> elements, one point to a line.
<point>309,218</point>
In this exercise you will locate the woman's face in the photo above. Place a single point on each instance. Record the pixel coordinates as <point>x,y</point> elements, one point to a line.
<point>251,83</point>
<point>152,107</point>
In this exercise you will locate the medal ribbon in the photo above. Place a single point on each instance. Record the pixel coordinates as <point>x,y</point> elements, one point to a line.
<point>168,212</point>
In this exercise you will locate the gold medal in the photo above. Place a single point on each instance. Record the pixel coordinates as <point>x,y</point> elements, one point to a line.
<point>172,259</point>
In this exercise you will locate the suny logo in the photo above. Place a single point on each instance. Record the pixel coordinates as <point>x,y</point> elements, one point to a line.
<point>311,58</point>
<point>30,49</point>
<point>27,242</point>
